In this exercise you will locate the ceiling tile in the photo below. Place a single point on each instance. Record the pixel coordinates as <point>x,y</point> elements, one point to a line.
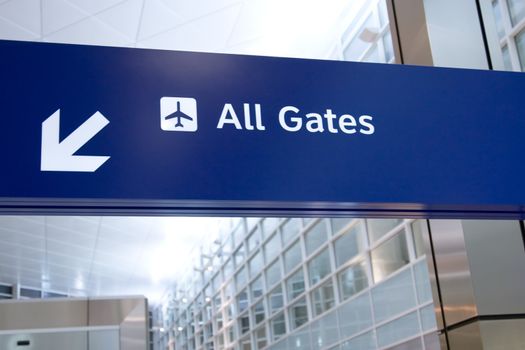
<point>25,13</point>
<point>198,8</point>
<point>89,31</point>
<point>94,6</point>
<point>124,17</point>
<point>192,37</point>
<point>156,18</point>
<point>57,14</point>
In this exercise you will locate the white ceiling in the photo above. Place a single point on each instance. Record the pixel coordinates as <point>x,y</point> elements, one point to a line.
<point>296,28</point>
<point>100,256</point>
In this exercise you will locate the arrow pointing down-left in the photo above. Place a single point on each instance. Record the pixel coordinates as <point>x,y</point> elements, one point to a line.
<point>59,156</point>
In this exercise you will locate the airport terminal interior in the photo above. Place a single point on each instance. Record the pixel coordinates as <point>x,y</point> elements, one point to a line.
<point>176,282</point>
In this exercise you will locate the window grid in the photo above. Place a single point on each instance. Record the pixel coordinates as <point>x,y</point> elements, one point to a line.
<point>207,332</point>
<point>511,31</point>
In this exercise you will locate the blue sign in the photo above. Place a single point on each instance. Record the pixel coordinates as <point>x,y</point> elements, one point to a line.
<point>117,129</point>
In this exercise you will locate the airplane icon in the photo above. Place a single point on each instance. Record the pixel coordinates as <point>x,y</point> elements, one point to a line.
<point>178,114</point>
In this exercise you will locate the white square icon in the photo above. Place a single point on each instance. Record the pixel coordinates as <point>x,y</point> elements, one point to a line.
<point>178,114</point>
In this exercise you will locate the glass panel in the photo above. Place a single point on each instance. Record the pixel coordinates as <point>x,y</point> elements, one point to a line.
<point>258,312</point>
<point>269,225</point>
<point>390,256</point>
<point>339,223</point>
<point>246,344</point>
<point>238,234</point>
<point>242,301</point>
<point>315,237</point>
<point>323,298</point>
<point>517,10</point>
<point>383,13</point>
<point>240,278</point>
<point>276,299</point>
<point>319,267</point>
<point>373,55</point>
<point>424,291</point>
<point>244,323</point>
<point>257,288</point>
<point>363,342</point>
<point>298,314</point>
<point>254,240</point>
<point>428,318</point>
<point>278,327</point>
<point>355,316</point>
<point>228,269</point>
<point>239,256</point>
<point>295,285</point>
<point>419,230</point>
<point>290,229</point>
<point>506,57</point>
<point>520,45</point>
<point>325,331</point>
<point>272,247</point>
<point>397,330</point>
<point>358,45</point>
<point>256,264</point>
<point>393,296</point>
<point>260,338</point>
<point>389,46</point>
<point>377,228</point>
<point>273,273</point>
<point>353,280</point>
<point>292,257</point>
<point>498,18</point>
<point>349,244</point>
<point>410,345</point>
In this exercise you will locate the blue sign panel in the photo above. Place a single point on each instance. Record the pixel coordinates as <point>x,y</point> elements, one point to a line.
<point>128,129</point>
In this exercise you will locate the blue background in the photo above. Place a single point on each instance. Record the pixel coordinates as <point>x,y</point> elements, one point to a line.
<point>445,139</point>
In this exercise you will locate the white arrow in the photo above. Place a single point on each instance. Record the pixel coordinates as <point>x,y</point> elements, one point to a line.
<point>59,156</point>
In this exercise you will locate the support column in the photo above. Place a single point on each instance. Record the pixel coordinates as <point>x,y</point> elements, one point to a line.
<point>477,266</point>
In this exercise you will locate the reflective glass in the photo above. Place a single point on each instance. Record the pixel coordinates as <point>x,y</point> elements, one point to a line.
<point>377,228</point>
<point>295,285</point>
<point>315,237</point>
<point>393,296</point>
<point>278,326</point>
<point>355,316</point>
<point>290,229</point>
<point>351,243</point>
<point>506,57</point>
<point>323,298</point>
<point>383,13</point>
<point>424,291</point>
<point>292,257</point>
<point>319,267</point>
<point>238,234</point>
<point>359,43</point>
<point>257,288</point>
<point>409,345</point>
<point>273,273</point>
<point>397,330</point>
<point>276,301</point>
<point>240,278</point>
<point>339,223</point>
<point>498,18</point>
<point>298,314</point>
<point>520,45</point>
<point>242,301</point>
<point>324,331</point>
<point>390,256</point>
<point>228,268</point>
<point>244,323</point>
<point>419,231</point>
<point>363,342</point>
<point>260,337</point>
<point>246,344</point>
<point>353,280</point>
<point>272,247</point>
<point>258,312</point>
<point>238,256</point>
<point>254,240</point>
<point>428,318</point>
<point>389,47</point>
<point>517,10</point>
<point>269,225</point>
<point>256,264</point>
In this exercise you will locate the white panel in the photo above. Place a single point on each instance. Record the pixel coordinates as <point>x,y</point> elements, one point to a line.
<point>253,20</point>
<point>94,6</point>
<point>57,14</point>
<point>25,13</point>
<point>192,37</point>
<point>90,32</point>
<point>198,8</point>
<point>124,17</point>
<point>156,18</point>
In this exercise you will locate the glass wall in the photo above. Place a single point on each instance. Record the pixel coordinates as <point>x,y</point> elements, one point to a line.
<point>306,284</point>
<point>505,24</point>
